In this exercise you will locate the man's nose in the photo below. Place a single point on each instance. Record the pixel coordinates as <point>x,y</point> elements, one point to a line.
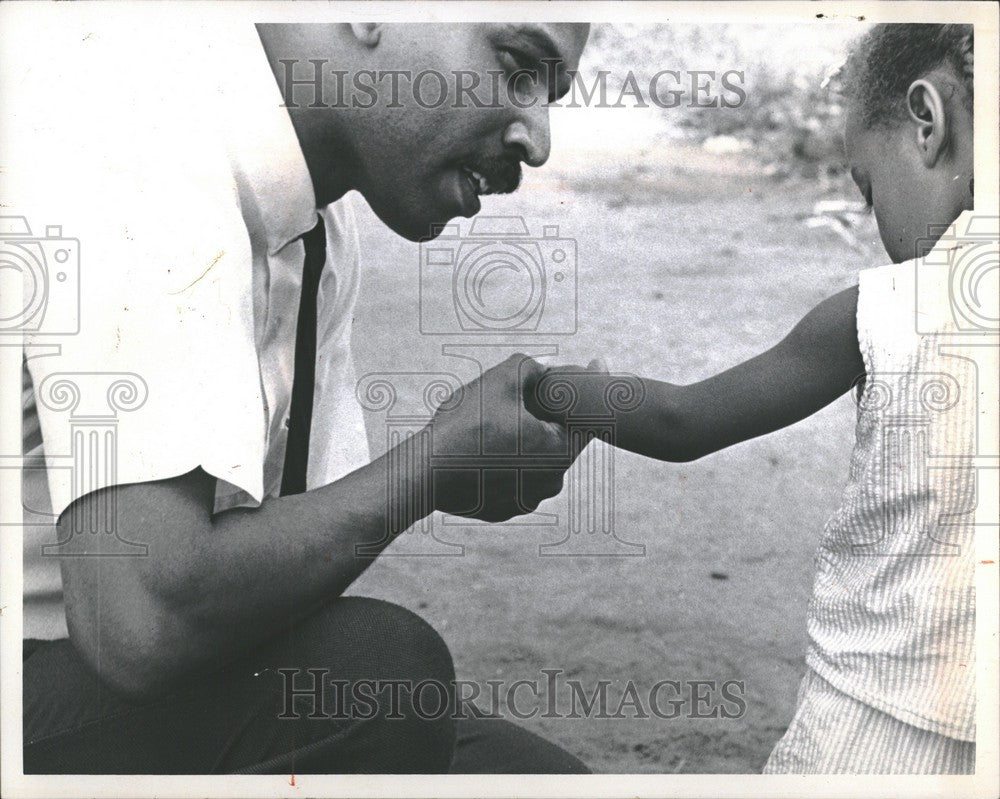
<point>530,132</point>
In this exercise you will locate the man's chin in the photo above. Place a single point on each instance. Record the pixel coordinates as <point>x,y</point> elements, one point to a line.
<point>423,229</point>
<point>424,215</point>
<point>427,223</point>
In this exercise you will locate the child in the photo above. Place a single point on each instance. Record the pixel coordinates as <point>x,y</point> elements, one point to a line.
<point>890,684</point>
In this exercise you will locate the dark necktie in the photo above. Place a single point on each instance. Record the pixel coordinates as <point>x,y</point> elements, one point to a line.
<point>293,479</point>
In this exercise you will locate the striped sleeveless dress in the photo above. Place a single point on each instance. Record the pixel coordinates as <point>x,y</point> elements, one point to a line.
<point>890,683</point>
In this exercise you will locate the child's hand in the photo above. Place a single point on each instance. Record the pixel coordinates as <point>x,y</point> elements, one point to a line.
<point>560,390</point>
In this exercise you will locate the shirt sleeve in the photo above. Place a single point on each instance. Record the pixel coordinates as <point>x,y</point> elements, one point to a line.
<point>146,366</point>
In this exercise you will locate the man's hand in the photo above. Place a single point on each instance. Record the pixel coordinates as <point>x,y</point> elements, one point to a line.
<point>492,459</point>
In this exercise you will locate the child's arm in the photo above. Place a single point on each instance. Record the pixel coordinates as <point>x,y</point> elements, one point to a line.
<point>818,361</point>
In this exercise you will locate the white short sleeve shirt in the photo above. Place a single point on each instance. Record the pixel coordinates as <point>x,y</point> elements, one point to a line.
<point>165,192</point>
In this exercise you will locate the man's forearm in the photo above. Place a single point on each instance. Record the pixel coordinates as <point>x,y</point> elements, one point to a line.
<point>315,544</point>
<point>214,587</point>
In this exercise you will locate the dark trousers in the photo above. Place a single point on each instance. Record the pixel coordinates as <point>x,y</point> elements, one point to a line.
<point>244,718</point>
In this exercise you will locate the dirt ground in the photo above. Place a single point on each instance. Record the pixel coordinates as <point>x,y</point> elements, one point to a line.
<point>686,264</point>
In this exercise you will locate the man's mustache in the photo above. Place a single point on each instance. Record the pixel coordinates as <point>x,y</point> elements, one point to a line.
<point>502,172</point>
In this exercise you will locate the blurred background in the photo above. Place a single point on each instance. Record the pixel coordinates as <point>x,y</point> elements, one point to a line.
<point>701,235</point>
<point>789,122</point>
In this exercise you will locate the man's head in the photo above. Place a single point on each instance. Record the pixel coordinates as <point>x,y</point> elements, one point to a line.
<point>425,118</point>
<point>909,133</point>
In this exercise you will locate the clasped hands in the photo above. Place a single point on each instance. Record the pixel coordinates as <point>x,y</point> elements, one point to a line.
<point>499,445</point>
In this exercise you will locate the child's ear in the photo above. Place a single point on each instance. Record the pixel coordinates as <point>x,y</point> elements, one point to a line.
<point>927,110</point>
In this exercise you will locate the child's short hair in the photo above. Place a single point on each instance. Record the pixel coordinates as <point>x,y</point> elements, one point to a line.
<point>887,59</point>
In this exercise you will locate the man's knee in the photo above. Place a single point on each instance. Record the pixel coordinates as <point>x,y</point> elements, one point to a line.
<point>382,671</point>
<point>360,637</point>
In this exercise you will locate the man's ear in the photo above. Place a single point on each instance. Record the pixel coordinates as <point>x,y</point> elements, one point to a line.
<point>368,33</point>
<point>927,109</point>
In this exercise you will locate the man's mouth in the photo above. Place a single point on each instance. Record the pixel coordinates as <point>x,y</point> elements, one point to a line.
<point>493,175</point>
<point>480,183</point>
<point>481,176</point>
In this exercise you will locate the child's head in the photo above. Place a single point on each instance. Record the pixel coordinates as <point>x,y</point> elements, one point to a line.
<point>909,131</point>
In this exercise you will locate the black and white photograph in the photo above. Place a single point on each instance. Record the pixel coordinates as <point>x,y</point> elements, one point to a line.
<point>499,399</point>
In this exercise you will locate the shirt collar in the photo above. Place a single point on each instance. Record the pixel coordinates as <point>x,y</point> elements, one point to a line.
<point>263,144</point>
